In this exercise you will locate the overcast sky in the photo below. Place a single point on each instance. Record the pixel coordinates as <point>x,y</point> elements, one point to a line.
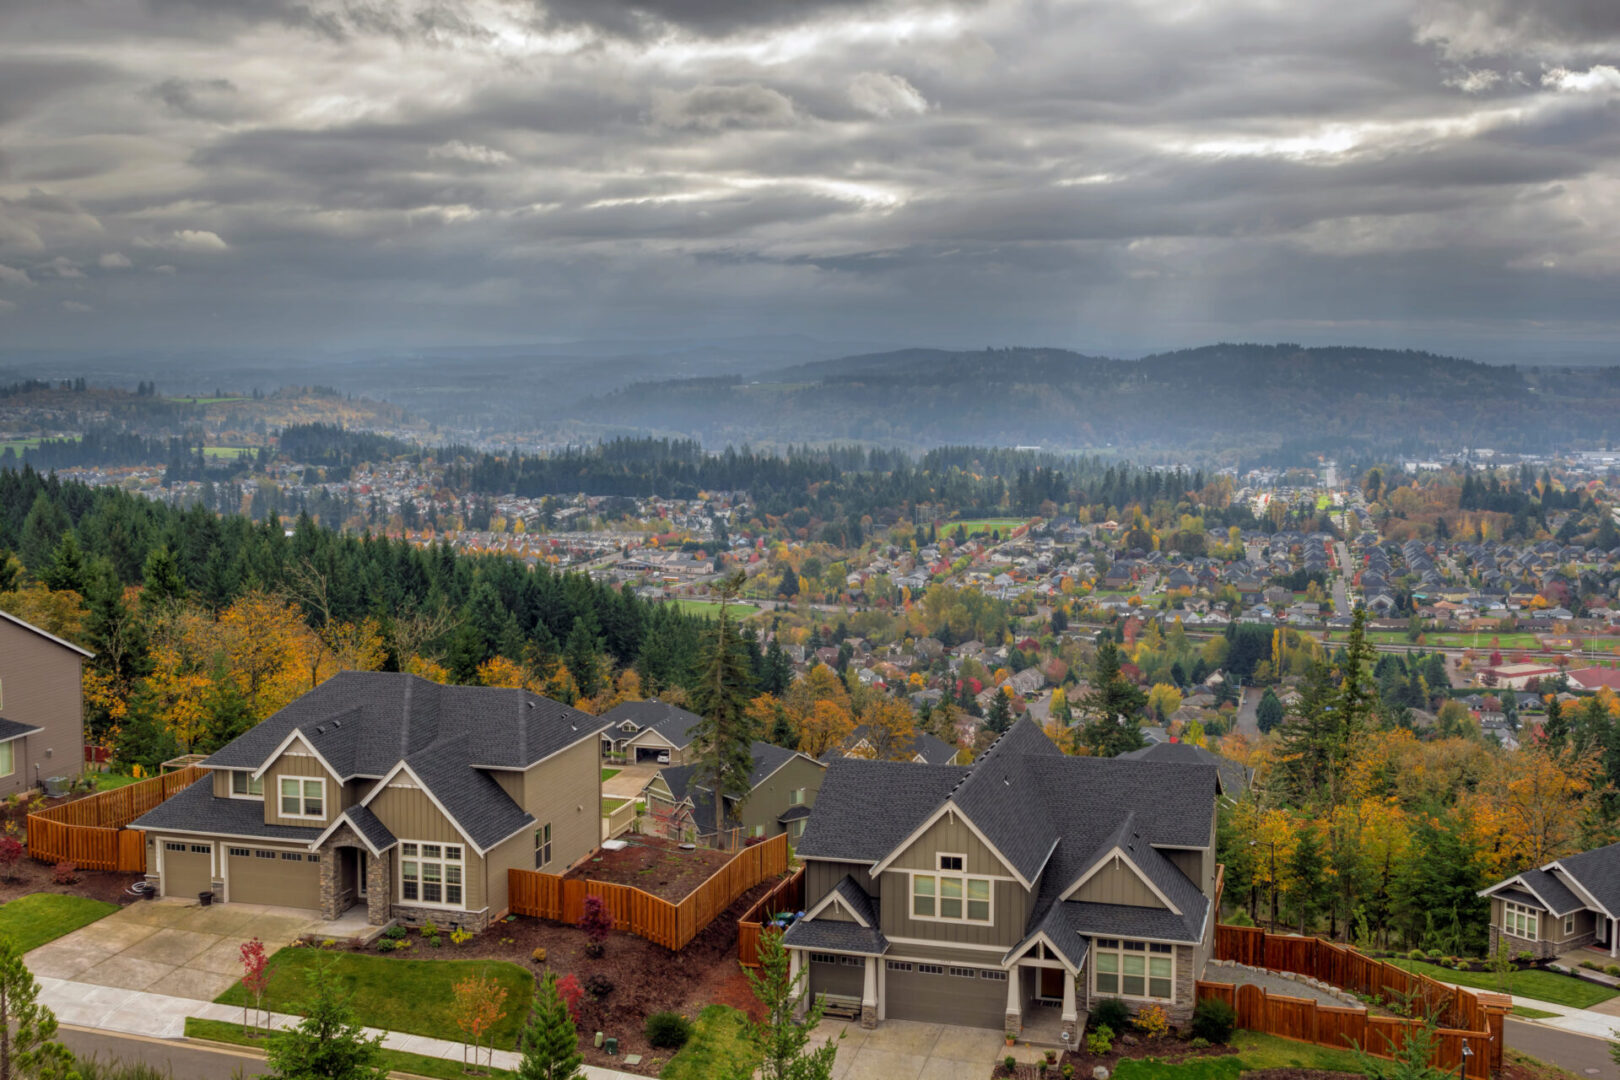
<point>1112,176</point>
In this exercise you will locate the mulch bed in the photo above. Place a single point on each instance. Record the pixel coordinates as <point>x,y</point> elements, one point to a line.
<point>29,876</point>
<point>655,865</point>
<point>646,978</point>
<point>1168,1048</point>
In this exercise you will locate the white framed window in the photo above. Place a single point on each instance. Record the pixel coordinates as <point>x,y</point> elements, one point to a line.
<point>823,958</point>
<point>8,758</point>
<point>1134,969</point>
<point>956,863</point>
<point>542,845</point>
<point>244,785</point>
<point>899,965</point>
<point>1520,921</point>
<point>993,976</point>
<point>1569,925</point>
<point>303,797</point>
<point>431,874</point>
<point>951,897</point>
<point>796,797</point>
<point>930,969</point>
<point>757,830</point>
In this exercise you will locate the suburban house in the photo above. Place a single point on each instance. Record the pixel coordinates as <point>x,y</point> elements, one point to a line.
<point>782,787</point>
<point>920,747</point>
<point>41,706</point>
<point>388,791</point>
<point>1012,892</point>
<point>1568,904</point>
<point>649,731</point>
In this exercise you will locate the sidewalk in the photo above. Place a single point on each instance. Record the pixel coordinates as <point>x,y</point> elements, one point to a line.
<point>1590,1022</point>
<point>137,1012</point>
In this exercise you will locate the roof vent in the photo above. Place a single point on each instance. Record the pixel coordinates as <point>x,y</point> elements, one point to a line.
<point>336,724</point>
<point>530,704</point>
<point>320,730</point>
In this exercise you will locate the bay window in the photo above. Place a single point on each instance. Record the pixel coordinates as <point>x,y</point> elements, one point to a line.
<point>1519,920</point>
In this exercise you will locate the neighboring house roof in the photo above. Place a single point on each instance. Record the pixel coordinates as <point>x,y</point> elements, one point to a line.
<point>1234,776</point>
<point>793,813</point>
<point>10,618</point>
<point>687,785</point>
<point>11,729</point>
<point>671,721</point>
<point>838,935</point>
<point>1597,872</point>
<point>934,750</point>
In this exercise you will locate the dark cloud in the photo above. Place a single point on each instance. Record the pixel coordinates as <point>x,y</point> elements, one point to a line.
<point>713,18</point>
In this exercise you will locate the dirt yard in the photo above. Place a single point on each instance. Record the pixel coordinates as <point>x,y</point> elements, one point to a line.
<point>644,978</point>
<point>653,864</point>
<point>29,876</point>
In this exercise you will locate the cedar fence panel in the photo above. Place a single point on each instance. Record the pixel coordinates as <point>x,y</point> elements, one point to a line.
<point>90,832</point>
<point>788,896</point>
<point>672,925</point>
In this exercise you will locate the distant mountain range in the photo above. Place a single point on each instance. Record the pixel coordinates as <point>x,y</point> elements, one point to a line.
<point>1240,402</point>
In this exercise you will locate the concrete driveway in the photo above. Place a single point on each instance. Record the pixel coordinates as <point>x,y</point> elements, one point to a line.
<point>905,1050</point>
<point>172,946</point>
<point>631,779</point>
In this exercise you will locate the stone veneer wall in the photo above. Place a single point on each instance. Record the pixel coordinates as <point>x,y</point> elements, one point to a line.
<point>1541,949</point>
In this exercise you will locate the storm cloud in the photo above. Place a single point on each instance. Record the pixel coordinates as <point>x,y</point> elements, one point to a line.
<point>1092,173</point>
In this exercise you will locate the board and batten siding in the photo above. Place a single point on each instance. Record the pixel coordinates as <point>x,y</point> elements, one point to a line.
<point>566,790</point>
<point>767,802</point>
<point>951,834</point>
<point>411,816</point>
<point>1009,913</point>
<point>40,681</point>
<point>822,875</point>
<point>298,761</point>
<point>1117,883</point>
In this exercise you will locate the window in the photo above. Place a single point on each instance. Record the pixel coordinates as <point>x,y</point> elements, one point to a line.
<point>930,969</point>
<point>431,874</point>
<point>8,758</point>
<point>993,976</point>
<point>542,845</point>
<point>899,965</point>
<point>1520,921</point>
<point>951,862</point>
<point>796,828</point>
<point>245,786</point>
<point>303,797</point>
<point>239,852</point>
<point>823,958</point>
<point>962,973</point>
<point>262,854</point>
<point>172,846</point>
<point>950,896</point>
<point>852,961</point>
<point>292,856</point>
<point>1130,969</point>
<point>202,849</point>
<point>796,797</point>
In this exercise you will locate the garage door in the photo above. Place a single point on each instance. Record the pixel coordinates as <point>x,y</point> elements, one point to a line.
<point>281,878</point>
<point>941,994</point>
<point>650,753</point>
<point>840,976</point>
<point>187,868</point>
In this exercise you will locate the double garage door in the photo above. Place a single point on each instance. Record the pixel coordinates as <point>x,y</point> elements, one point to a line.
<point>932,993</point>
<point>267,876</point>
<point>945,994</point>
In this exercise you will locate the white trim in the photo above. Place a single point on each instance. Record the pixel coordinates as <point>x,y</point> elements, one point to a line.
<point>1518,879</point>
<point>649,731</point>
<point>230,792</point>
<point>833,898</point>
<point>281,811</point>
<point>785,763</point>
<point>344,819</point>
<point>939,877</point>
<point>402,767</point>
<point>944,808</point>
<point>1574,885</point>
<point>255,838</point>
<point>1147,969</point>
<point>421,880</point>
<point>282,749</point>
<point>934,943</point>
<point>1118,855</point>
<point>6,615</point>
<point>1040,938</point>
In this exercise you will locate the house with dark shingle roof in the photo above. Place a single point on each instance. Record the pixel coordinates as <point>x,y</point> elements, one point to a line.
<point>985,894</point>
<point>782,787</point>
<point>920,747</point>
<point>385,790</point>
<point>649,731</point>
<point>41,706</point>
<point>1569,904</point>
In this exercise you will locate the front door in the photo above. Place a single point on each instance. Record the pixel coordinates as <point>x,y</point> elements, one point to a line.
<point>1051,984</point>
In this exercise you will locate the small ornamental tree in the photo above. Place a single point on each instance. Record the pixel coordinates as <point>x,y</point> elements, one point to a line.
<point>255,977</point>
<point>596,923</point>
<point>28,1046</point>
<point>783,1040</point>
<point>477,1006</point>
<point>550,1041</point>
<point>11,852</point>
<point>571,992</point>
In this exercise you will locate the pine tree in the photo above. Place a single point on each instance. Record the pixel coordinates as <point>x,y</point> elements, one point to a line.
<point>550,1041</point>
<point>999,718</point>
<point>724,737</point>
<point>583,656</point>
<point>778,670</point>
<point>328,1044</point>
<point>1111,707</point>
<point>1269,713</point>
<point>28,1046</point>
<point>162,585</point>
<point>67,570</point>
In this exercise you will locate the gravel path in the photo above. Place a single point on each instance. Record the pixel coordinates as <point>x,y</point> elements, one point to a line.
<point>1271,983</point>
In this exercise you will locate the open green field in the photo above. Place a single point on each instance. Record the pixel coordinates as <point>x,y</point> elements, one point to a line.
<point>1533,984</point>
<point>413,996</point>
<point>226,451</point>
<point>983,525</point>
<point>1458,639</point>
<point>206,400</point>
<point>710,609</point>
<point>19,445</point>
<point>30,921</point>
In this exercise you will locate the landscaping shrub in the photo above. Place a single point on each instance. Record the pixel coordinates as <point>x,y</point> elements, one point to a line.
<point>1415,954</point>
<point>1526,957</point>
<point>1100,1040</point>
<point>597,924</point>
<point>1589,966</point>
<point>598,985</point>
<point>1152,1021</point>
<point>65,873</point>
<point>1198,1042</point>
<point>1213,1020</point>
<point>1612,969</point>
<point>538,956</point>
<point>1011,1063</point>
<point>11,852</point>
<point>668,1030</point>
<point>394,933</point>
<point>1111,1013</point>
<point>386,945</point>
<point>1067,1072</point>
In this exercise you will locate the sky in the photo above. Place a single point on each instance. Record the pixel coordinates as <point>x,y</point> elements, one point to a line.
<point>1116,176</point>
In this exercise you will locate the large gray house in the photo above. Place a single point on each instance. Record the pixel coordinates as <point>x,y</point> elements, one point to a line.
<point>1027,883</point>
<point>1568,904</point>
<point>388,791</point>
<point>41,706</point>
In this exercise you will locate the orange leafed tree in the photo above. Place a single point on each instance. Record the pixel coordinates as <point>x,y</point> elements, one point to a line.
<point>828,725</point>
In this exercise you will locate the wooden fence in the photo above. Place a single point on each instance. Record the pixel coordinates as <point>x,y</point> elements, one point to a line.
<point>788,896</point>
<point>1462,1015</point>
<point>663,922</point>
<point>90,832</point>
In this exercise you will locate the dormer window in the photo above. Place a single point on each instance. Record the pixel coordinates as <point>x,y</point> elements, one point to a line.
<point>244,785</point>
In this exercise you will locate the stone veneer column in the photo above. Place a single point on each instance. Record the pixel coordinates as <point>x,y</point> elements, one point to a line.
<point>379,888</point>
<point>329,883</point>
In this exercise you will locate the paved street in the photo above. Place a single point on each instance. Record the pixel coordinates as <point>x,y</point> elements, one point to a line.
<point>1582,1055</point>
<point>1247,720</point>
<point>182,1060</point>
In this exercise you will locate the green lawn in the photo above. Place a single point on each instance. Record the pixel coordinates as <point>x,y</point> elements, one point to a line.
<point>106,781</point>
<point>719,1047</point>
<point>983,525</point>
<point>19,445</point>
<point>1255,1051</point>
<point>610,804</point>
<point>1537,985</point>
<point>221,1031</point>
<point>413,996</point>
<point>711,608</point>
<point>32,920</point>
<point>1525,1012</point>
<point>226,451</point>
<point>608,774</point>
<point>207,400</point>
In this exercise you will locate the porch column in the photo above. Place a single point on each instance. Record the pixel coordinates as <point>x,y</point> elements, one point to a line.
<point>869,995</point>
<point>1015,1002</point>
<point>1071,1012</point>
<point>1614,943</point>
<point>796,965</point>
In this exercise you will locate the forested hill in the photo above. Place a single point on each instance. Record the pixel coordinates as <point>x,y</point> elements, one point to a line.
<point>1245,401</point>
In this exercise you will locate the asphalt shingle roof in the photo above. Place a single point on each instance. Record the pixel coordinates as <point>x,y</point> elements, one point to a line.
<point>1234,776</point>
<point>684,782</point>
<point>671,721</point>
<point>11,729</point>
<point>1557,895</point>
<point>370,828</point>
<point>194,809</point>
<point>1598,872</point>
<point>865,808</point>
<point>835,936</point>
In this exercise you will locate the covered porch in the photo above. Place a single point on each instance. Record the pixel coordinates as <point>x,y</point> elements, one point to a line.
<point>1042,994</point>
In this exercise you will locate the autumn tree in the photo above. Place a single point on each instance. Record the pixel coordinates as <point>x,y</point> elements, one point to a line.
<point>1163,700</point>
<point>891,729</point>
<point>255,976</point>
<point>477,1005</point>
<point>828,725</point>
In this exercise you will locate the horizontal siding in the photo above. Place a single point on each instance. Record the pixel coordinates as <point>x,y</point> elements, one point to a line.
<point>767,802</point>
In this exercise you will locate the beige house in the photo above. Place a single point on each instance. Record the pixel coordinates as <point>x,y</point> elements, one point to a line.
<point>411,798</point>
<point>41,706</point>
<point>1569,904</point>
<point>649,732</point>
<point>1012,892</point>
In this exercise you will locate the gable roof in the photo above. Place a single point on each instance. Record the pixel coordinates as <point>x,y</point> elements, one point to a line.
<point>1596,872</point>
<point>10,618</point>
<point>1234,776</point>
<point>193,809</point>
